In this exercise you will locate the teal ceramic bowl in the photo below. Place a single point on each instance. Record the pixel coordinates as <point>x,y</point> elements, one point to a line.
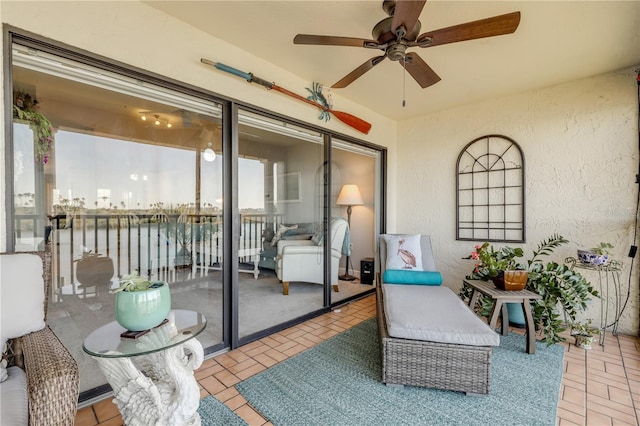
<point>142,310</point>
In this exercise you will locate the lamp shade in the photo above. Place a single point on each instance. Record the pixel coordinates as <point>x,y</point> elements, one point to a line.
<point>349,196</point>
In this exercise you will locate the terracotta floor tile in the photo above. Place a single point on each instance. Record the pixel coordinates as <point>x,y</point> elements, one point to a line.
<point>575,369</point>
<point>249,362</point>
<point>574,396</point>
<point>570,416</point>
<point>227,378</point>
<point>621,396</point>
<point>614,369</point>
<point>608,409</point>
<point>254,369</point>
<point>270,341</point>
<point>225,360</point>
<point>597,419</point>
<point>227,394</point>
<point>277,355</point>
<point>597,388</point>
<point>578,409</point>
<point>85,417</point>
<point>283,347</point>
<point>105,410</point>
<point>202,373</point>
<point>235,402</point>
<point>115,421</point>
<point>265,360</point>
<point>250,415</point>
<point>212,385</point>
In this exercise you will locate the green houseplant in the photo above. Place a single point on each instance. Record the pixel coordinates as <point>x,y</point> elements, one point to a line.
<point>583,333</point>
<point>563,291</point>
<point>141,304</point>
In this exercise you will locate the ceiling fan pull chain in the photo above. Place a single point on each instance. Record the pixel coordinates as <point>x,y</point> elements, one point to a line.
<point>404,81</point>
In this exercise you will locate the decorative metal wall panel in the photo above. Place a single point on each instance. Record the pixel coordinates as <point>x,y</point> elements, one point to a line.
<point>490,191</point>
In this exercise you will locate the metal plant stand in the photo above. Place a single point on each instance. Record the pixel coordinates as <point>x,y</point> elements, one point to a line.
<point>608,281</point>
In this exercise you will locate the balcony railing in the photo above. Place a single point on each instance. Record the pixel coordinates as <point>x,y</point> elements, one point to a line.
<point>155,245</point>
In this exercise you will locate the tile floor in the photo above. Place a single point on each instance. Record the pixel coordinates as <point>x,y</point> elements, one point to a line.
<point>600,386</point>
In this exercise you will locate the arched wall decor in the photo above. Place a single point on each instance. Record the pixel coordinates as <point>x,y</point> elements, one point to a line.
<point>490,198</point>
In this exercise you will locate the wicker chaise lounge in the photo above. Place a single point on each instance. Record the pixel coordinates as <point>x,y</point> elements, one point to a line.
<point>39,365</point>
<point>420,361</point>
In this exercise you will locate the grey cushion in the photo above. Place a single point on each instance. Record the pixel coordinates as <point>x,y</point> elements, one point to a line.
<point>13,405</point>
<point>435,314</point>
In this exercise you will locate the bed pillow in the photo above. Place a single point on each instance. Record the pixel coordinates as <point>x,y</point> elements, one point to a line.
<point>401,276</point>
<point>403,252</point>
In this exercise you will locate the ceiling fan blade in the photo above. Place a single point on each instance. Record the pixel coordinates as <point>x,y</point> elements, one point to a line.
<point>334,41</point>
<point>406,13</point>
<point>489,27</point>
<point>353,75</point>
<point>419,70</point>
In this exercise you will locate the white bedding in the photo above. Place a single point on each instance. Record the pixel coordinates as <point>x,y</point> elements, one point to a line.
<point>433,313</point>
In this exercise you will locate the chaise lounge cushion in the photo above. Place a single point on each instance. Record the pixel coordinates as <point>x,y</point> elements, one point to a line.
<point>13,409</point>
<point>433,313</point>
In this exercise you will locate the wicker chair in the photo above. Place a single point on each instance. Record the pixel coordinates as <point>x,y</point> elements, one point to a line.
<point>51,372</point>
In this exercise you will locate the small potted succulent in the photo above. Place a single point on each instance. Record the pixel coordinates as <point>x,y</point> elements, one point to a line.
<point>141,304</point>
<point>595,256</point>
<point>584,333</point>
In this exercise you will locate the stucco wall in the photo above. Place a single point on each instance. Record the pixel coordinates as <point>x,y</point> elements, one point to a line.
<point>141,36</point>
<point>580,142</point>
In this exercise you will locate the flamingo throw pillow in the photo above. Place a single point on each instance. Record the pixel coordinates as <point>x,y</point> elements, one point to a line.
<point>404,252</point>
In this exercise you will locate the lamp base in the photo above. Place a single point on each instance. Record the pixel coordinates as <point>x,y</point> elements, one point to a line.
<point>347,277</point>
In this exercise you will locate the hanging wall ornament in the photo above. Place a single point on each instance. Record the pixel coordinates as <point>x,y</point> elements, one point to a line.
<point>324,99</point>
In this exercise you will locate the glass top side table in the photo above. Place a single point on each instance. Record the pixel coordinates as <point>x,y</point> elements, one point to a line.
<point>106,342</point>
<point>152,375</point>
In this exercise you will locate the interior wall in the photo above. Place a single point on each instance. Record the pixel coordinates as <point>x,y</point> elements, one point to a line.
<point>580,144</point>
<point>141,36</point>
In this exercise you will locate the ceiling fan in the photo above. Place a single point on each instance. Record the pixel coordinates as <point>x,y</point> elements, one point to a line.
<point>401,30</point>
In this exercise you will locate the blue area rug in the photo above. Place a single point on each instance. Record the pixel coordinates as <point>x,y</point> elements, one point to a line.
<point>213,412</point>
<point>338,383</point>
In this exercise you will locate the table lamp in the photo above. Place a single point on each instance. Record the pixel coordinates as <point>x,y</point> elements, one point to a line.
<point>349,196</point>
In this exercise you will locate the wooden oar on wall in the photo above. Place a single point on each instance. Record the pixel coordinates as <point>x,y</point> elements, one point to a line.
<point>348,119</point>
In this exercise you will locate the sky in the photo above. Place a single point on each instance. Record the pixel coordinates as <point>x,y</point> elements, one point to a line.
<point>132,175</point>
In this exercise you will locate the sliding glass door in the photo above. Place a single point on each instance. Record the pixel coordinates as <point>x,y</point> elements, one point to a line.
<point>281,210</point>
<point>117,178</point>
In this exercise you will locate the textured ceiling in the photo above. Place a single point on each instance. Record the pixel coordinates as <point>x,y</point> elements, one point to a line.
<point>556,42</point>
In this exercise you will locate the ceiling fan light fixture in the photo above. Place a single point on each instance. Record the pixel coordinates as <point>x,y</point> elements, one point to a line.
<point>209,154</point>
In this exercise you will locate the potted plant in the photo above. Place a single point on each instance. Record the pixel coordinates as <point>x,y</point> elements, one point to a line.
<point>584,333</point>
<point>595,256</point>
<point>500,266</point>
<point>562,290</point>
<point>141,304</point>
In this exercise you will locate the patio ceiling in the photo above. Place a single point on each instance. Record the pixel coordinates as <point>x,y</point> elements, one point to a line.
<point>555,42</point>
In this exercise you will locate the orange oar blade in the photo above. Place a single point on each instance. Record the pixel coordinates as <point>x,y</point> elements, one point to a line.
<point>353,121</point>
